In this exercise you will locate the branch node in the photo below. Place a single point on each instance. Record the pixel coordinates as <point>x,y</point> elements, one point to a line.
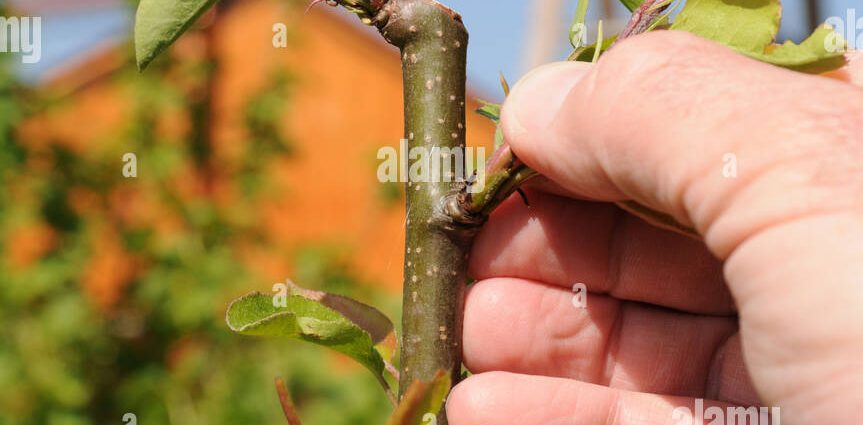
<point>455,217</point>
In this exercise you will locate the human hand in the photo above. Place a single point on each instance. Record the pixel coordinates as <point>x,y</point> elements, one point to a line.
<point>766,310</point>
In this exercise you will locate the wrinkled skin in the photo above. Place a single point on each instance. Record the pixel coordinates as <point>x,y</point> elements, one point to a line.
<point>765,310</point>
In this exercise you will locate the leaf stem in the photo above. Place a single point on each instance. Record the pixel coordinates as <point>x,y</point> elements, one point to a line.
<point>504,174</point>
<point>287,405</point>
<point>643,18</point>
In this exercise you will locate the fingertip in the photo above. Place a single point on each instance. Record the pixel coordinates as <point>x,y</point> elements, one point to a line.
<point>489,340</point>
<point>474,400</point>
<point>536,100</point>
<point>852,72</point>
<point>458,403</point>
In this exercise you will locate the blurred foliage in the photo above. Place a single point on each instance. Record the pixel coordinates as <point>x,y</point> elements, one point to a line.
<point>113,290</point>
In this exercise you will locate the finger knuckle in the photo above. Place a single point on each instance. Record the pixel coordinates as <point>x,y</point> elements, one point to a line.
<point>831,133</point>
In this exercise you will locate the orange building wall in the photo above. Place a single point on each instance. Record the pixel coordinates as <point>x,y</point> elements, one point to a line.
<point>348,103</point>
<point>345,105</point>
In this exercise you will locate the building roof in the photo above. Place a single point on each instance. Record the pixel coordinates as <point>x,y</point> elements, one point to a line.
<point>73,34</point>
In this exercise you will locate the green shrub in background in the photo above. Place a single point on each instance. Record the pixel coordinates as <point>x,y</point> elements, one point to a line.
<point>163,351</point>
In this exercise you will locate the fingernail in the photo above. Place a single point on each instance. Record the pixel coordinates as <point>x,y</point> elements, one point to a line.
<point>535,101</point>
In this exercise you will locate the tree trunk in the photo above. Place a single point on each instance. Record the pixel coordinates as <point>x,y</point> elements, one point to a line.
<point>433,45</point>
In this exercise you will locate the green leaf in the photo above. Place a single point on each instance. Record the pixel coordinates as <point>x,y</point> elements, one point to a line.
<point>599,36</point>
<point>809,56</point>
<point>422,401</point>
<point>747,26</point>
<point>158,23</point>
<point>578,30</point>
<point>379,327</point>
<point>498,137</point>
<point>490,111</point>
<point>632,4</point>
<point>586,53</point>
<point>750,27</point>
<point>504,85</point>
<point>333,321</point>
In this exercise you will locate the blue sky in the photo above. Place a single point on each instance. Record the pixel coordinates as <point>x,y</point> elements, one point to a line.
<point>68,34</point>
<point>498,31</point>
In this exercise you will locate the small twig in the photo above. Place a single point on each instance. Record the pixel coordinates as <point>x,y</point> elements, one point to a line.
<point>392,370</point>
<point>523,197</point>
<point>287,405</point>
<point>504,174</point>
<point>643,18</point>
<point>317,2</point>
<point>657,218</point>
<point>366,10</point>
<point>388,390</point>
<point>395,374</point>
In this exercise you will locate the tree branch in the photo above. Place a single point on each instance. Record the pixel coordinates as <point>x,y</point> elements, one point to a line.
<point>443,215</point>
<point>466,211</point>
<point>643,18</point>
<point>287,405</point>
<point>433,45</point>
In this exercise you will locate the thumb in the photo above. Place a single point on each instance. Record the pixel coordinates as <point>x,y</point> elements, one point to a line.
<point>766,163</point>
<point>683,126</point>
